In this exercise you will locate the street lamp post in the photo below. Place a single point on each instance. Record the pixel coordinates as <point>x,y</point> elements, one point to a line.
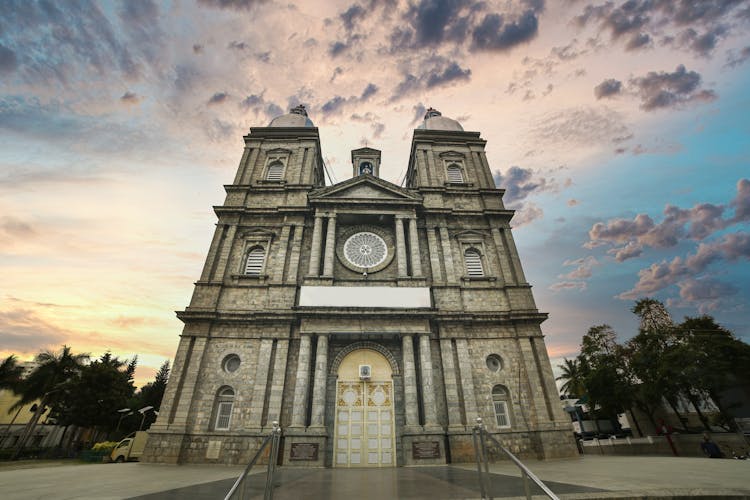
<point>143,411</point>
<point>124,412</point>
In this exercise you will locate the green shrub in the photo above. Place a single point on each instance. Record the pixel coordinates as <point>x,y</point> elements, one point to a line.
<point>104,446</point>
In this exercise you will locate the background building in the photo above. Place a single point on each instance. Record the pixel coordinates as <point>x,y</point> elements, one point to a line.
<point>374,322</point>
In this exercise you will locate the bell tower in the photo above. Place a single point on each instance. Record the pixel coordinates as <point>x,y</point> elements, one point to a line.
<point>365,161</point>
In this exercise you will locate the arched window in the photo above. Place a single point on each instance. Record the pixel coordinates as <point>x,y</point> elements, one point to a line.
<point>500,400</point>
<point>254,263</point>
<point>473,260</point>
<point>223,408</point>
<point>275,171</point>
<point>455,174</point>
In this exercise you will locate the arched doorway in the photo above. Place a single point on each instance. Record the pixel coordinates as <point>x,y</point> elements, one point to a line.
<point>364,425</point>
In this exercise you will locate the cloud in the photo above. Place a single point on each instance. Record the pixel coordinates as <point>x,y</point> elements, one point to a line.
<point>638,41</point>
<point>218,98</point>
<point>23,331</point>
<point>258,105</point>
<point>493,33</point>
<point>334,105</point>
<point>664,90</point>
<point>351,15</point>
<point>696,223</point>
<point>232,4</point>
<point>582,270</point>
<point>197,48</point>
<point>14,227</point>
<point>235,45</point>
<point>8,60</point>
<point>452,72</point>
<point>734,58</point>
<point>369,91</point>
<point>526,214</point>
<point>435,71</point>
<point>657,276</point>
<point>130,98</point>
<point>521,182</point>
<point>573,202</point>
<point>336,48</point>
<point>608,88</point>
<point>568,285</point>
<point>580,126</point>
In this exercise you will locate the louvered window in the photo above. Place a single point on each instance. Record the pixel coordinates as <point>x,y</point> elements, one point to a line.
<point>473,263</point>
<point>275,171</point>
<point>500,404</point>
<point>254,263</point>
<point>224,405</point>
<point>454,174</point>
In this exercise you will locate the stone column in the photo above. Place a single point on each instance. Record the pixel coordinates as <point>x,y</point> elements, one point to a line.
<point>410,383</point>
<point>502,257</point>
<point>259,388</point>
<point>451,384</point>
<point>301,385</point>
<point>432,248</point>
<point>450,273</point>
<point>467,381</point>
<point>400,247</point>
<point>428,385</point>
<point>330,246</point>
<point>319,384</point>
<point>314,269</point>
<point>278,375</point>
<point>416,258</point>
<point>514,256</point>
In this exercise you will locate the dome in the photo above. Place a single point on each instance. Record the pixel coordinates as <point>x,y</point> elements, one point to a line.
<point>297,117</point>
<point>434,120</point>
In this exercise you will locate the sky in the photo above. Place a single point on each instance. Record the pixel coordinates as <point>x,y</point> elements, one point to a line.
<point>619,131</point>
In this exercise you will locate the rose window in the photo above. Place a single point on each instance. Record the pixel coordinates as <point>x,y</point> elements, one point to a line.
<point>365,250</point>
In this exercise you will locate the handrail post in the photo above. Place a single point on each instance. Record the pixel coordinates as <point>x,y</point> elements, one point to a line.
<point>486,457</point>
<point>272,457</point>
<point>477,454</point>
<point>526,488</point>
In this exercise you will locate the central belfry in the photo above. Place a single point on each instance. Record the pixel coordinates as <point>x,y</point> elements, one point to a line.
<point>374,322</point>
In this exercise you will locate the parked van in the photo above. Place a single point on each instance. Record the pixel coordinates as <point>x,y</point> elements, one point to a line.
<point>130,448</point>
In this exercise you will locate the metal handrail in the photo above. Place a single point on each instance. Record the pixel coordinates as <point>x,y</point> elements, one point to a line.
<point>273,439</point>
<point>480,449</point>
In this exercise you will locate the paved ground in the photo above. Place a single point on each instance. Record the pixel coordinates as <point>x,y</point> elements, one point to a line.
<point>588,477</point>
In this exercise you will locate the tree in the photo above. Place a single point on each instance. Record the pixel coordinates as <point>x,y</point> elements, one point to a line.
<point>152,393</point>
<point>654,316</point>
<point>574,376</point>
<point>96,392</point>
<point>10,373</point>
<point>45,384</point>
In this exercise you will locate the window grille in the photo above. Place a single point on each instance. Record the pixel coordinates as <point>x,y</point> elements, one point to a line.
<point>500,404</point>
<point>275,171</point>
<point>225,402</point>
<point>254,263</point>
<point>473,262</point>
<point>454,174</point>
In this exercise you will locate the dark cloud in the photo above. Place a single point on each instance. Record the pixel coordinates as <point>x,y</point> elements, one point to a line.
<point>519,183</point>
<point>377,129</point>
<point>369,91</point>
<point>140,19</point>
<point>8,60</point>
<point>734,58</point>
<point>694,290</point>
<point>493,33</point>
<point>258,105</point>
<point>608,88</point>
<point>16,228</point>
<point>657,276</point>
<point>435,71</point>
<point>336,48</point>
<point>351,15</point>
<point>638,41</point>
<point>186,76</point>
<point>701,44</point>
<point>66,42</point>
<point>263,56</point>
<point>232,4</point>
<point>453,72</point>
<point>419,112</point>
<point>235,45</point>
<point>336,72</point>
<point>197,48</point>
<point>24,332</point>
<point>664,90</point>
<point>697,223</point>
<point>334,105</point>
<point>218,98</point>
<point>130,98</point>
<point>434,21</point>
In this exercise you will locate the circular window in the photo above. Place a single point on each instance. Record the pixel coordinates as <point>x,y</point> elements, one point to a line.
<point>231,363</point>
<point>494,362</point>
<point>365,250</point>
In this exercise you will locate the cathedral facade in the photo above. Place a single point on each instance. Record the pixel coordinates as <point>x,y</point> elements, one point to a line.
<point>374,322</point>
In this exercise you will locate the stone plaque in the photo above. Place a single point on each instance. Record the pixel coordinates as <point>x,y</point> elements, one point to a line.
<point>425,449</point>
<point>213,449</point>
<point>303,451</point>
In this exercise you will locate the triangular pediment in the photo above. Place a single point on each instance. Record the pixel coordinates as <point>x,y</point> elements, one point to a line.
<point>366,188</point>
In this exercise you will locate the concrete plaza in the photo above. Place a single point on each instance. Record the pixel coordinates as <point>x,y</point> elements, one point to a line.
<point>587,477</point>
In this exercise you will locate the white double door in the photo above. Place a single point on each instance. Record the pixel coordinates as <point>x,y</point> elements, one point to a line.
<point>364,433</point>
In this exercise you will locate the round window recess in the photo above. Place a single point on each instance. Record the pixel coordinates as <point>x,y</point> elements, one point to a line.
<point>231,363</point>
<point>365,250</point>
<point>494,362</point>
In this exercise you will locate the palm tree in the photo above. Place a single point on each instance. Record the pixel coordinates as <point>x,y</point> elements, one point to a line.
<point>53,370</point>
<point>572,374</point>
<point>10,373</point>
